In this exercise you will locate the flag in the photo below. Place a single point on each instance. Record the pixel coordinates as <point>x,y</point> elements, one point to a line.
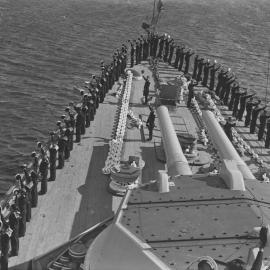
<point>159,6</point>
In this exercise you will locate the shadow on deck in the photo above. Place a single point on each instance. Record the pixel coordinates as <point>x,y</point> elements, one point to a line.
<point>92,209</point>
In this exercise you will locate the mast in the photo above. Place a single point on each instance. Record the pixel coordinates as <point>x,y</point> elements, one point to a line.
<point>154,8</point>
<point>157,7</point>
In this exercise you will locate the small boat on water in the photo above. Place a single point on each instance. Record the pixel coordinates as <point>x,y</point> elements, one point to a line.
<point>195,196</point>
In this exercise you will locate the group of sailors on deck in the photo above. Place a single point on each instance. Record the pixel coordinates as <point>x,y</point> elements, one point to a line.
<point>78,117</point>
<point>43,167</point>
<point>221,82</point>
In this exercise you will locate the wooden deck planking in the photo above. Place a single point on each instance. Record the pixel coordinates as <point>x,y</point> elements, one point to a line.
<point>78,199</point>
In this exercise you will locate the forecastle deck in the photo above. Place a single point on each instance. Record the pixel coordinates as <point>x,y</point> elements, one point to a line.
<point>199,217</point>
<point>79,197</point>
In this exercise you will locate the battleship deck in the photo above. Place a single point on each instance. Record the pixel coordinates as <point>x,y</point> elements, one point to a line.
<point>199,217</point>
<point>79,198</point>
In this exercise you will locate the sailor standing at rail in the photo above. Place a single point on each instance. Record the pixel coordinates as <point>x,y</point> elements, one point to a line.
<point>96,91</point>
<point>234,89</point>
<point>78,123</point>
<point>91,108</point>
<point>155,45</point>
<point>255,114</point>
<point>87,118</point>
<point>35,164</point>
<point>145,48</point>
<point>267,138</point>
<point>61,146</point>
<point>27,181</point>
<point>140,50</point>
<point>227,88</point>
<point>14,218</point>
<point>243,100</point>
<point>101,89</point>
<point>168,41</point>
<point>34,189</point>
<point>72,126</point>
<point>188,54</point>
<point>67,136</point>
<point>172,47</point>
<point>53,148</point>
<point>213,70</point>
<point>146,89</point>
<point>177,57</point>
<point>21,202</point>
<point>249,107</point>
<point>150,123</point>
<point>137,53</point>
<point>5,236</point>
<point>221,77</point>
<point>166,48</point>
<point>238,94</point>
<point>104,81</point>
<point>191,92</point>
<point>206,72</point>
<point>43,168</point>
<point>94,98</point>
<point>93,82</point>
<point>263,118</point>
<point>28,203</point>
<point>83,114</point>
<point>117,62</point>
<point>195,66</point>
<point>200,68</point>
<point>161,45</point>
<point>181,58</point>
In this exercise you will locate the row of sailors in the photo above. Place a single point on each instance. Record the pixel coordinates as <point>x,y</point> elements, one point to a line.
<point>241,103</point>
<point>13,225</point>
<point>160,46</point>
<point>227,88</point>
<point>44,163</point>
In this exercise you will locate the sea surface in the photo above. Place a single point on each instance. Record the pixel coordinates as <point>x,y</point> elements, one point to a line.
<point>48,46</point>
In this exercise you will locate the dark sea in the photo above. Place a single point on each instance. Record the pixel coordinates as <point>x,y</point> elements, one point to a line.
<point>48,46</point>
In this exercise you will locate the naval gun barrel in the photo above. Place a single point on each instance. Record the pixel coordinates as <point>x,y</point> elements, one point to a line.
<point>224,145</point>
<point>176,161</point>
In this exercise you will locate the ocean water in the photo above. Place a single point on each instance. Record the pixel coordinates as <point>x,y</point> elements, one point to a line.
<point>48,46</point>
